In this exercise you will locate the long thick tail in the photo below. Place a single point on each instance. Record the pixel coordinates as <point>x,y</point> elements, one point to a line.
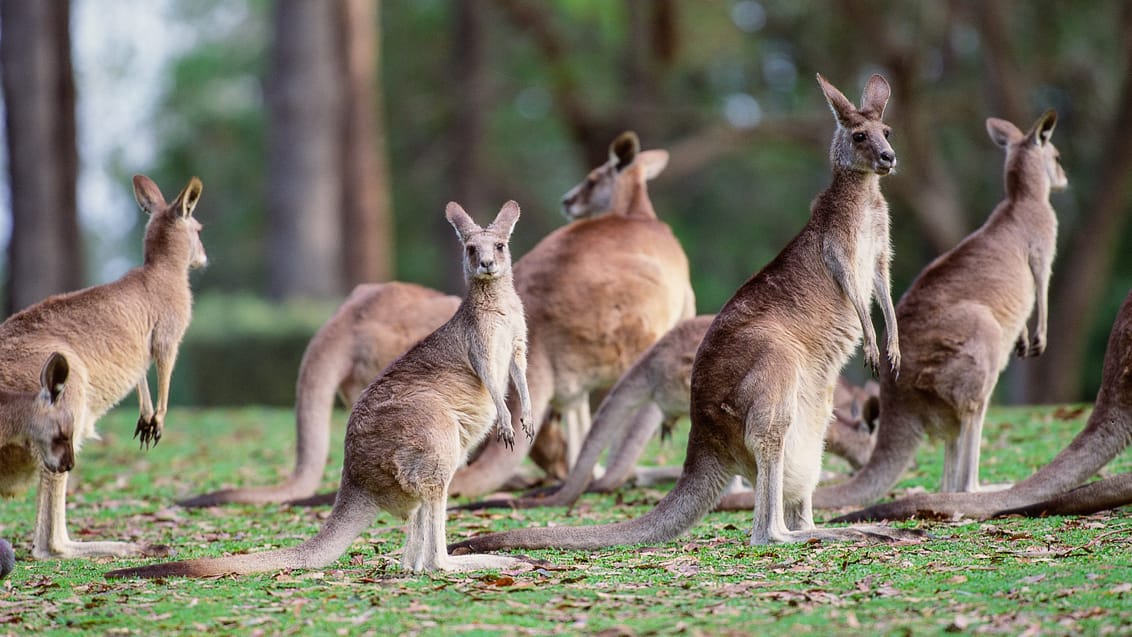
<point>693,496</point>
<point>1093,497</point>
<point>326,363</point>
<point>898,436</point>
<point>354,511</point>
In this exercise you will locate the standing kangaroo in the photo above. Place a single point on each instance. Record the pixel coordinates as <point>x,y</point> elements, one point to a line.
<point>109,334</point>
<point>414,425</point>
<point>597,292</point>
<point>965,314</point>
<point>763,380</point>
<point>654,394</point>
<point>1107,433</point>
<point>374,325</point>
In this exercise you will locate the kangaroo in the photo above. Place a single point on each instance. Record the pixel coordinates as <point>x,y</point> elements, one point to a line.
<point>41,420</point>
<point>655,393</point>
<point>374,325</point>
<point>414,425</point>
<point>1106,434</point>
<point>763,379</point>
<point>109,334</point>
<point>970,308</point>
<point>598,292</point>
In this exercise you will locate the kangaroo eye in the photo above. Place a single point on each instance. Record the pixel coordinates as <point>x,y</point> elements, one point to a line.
<point>858,137</point>
<point>499,247</point>
<point>887,132</point>
<point>472,250</point>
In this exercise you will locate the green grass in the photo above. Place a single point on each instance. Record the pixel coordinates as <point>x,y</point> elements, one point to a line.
<point>1013,576</point>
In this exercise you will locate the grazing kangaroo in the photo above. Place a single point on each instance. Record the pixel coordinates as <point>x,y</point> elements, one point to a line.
<point>597,292</point>
<point>655,393</point>
<point>969,310</point>
<point>1107,433</point>
<point>763,380</point>
<point>109,334</point>
<point>7,559</point>
<point>414,425</point>
<point>374,325</point>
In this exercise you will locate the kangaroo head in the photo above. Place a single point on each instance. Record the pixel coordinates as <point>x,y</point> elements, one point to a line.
<point>172,229</point>
<point>858,407</point>
<point>487,254</point>
<point>609,187</point>
<point>1030,156</point>
<point>860,142</point>
<point>51,421</point>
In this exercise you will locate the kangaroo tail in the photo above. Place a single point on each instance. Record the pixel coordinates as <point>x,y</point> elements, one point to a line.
<point>353,512</point>
<point>326,363</point>
<point>693,496</point>
<point>898,435</point>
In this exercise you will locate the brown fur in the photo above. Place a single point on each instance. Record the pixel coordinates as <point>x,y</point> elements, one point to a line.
<point>965,314</point>
<point>598,292</point>
<point>377,323</point>
<point>41,421</point>
<point>109,334</point>
<point>654,394</point>
<point>763,379</point>
<point>1107,433</point>
<point>414,425</point>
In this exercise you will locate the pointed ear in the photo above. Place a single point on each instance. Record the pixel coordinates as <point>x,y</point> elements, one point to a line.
<point>187,200</point>
<point>148,195</point>
<point>875,96</point>
<point>53,378</point>
<point>1002,132</point>
<point>653,162</point>
<point>505,220</point>
<point>460,220</point>
<point>624,150</point>
<point>1043,128</point>
<point>870,412</point>
<point>840,105</point>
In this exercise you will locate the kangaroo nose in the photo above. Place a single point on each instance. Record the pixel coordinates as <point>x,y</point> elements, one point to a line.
<point>888,156</point>
<point>487,265</point>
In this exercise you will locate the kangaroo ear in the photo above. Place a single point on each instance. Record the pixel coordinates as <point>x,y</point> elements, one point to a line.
<point>505,220</point>
<point>653,162</point>
<point>187,200</point>
<point>1043,128</point>
<point>870,413</point>
<point>842,108</point>
<point>460,220</point>
<point>1002,132</point>
<point>148,195</point>
<point>624,150</point>
<point>53,378</point>
<point>875,96</point>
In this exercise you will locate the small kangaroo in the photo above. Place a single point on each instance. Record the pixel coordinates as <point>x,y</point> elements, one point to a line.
<point>1107,433</point>
<point>763,379</point>
<point>598,292</point>
<point>969,309</point>
<point>414,425</point>
<point>109,334</point>
<point>655,393</point>
<point>377,323</point>
<point>41,421</point>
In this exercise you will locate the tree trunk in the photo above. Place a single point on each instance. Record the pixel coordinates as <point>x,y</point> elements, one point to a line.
<point>44,255</point>
<point>469,78</point>
<point>367,222</point>
<point>304,184</point>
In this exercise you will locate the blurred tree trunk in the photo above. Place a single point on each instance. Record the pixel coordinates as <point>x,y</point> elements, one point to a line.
<point>1084,271</point>
<point>304,185</point>
<point>44,255</point>
<point>367,221</point>
<point>470,82</point>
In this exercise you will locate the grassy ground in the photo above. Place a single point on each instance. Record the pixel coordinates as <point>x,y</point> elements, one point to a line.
<point>1049,576</point>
